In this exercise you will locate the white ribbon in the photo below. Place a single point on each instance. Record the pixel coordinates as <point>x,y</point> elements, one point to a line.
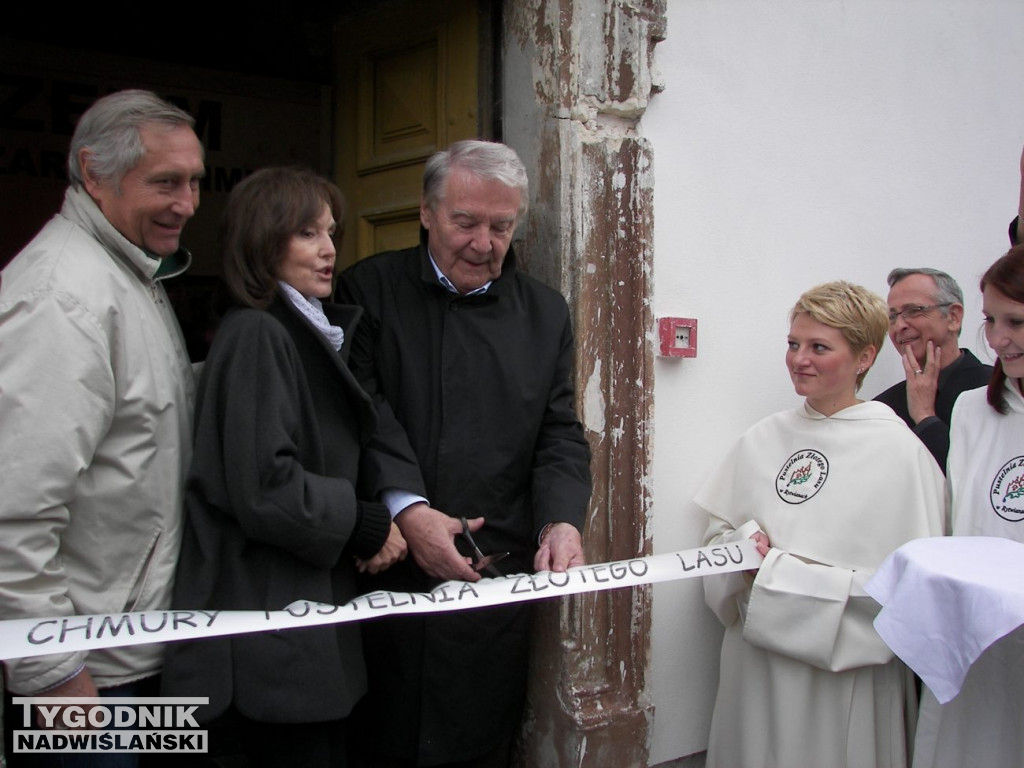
<point>66,634</point>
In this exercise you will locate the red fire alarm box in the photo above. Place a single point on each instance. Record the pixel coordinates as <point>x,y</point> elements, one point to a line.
<point>678,336</point>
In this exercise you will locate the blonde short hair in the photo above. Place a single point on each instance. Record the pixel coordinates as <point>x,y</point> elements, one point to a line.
<point>860,315</point>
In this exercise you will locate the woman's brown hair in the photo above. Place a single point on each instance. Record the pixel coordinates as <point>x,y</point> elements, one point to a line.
<point>263,212</point>
<point>1006,275</point>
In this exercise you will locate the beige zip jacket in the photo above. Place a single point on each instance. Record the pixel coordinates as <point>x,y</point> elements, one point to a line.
<point>96,395</point>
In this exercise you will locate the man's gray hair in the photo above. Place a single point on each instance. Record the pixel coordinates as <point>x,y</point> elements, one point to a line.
<point>946,289</point>
<point>110,130</point>
<point>487,160</point>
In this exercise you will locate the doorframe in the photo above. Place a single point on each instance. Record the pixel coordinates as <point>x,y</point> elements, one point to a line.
<point>576,79</point>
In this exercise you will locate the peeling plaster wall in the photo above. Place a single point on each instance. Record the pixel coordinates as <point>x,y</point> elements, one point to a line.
<point>573,80</point>
<point>797,142</point>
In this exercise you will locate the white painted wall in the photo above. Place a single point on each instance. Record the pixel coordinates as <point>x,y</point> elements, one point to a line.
<point>799,141</point>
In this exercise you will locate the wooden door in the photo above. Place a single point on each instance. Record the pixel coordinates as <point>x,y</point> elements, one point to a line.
<point>408,85</point>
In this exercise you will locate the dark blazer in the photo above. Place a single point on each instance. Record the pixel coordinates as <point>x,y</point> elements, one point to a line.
<point>272,517</point>
<point>969,373</point>
<point>482,386</point>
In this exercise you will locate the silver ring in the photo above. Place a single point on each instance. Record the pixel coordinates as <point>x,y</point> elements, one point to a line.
<point>918,371</point>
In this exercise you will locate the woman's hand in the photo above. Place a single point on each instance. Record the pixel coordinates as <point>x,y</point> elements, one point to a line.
<point>763,544</point>
<point>760,538</point>
<point>394,549</point>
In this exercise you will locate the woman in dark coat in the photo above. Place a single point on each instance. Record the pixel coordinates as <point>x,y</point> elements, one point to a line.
<point>274,499</point>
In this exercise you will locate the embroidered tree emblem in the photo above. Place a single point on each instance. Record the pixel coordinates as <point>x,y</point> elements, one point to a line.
<point>1015,489</point>
<point>800,475</point>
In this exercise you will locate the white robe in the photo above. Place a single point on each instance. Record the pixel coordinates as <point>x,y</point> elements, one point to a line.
<point>984,724</point>
<point>804,679</point>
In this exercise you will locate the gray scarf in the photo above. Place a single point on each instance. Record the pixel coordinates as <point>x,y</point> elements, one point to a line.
<point>313,311</point>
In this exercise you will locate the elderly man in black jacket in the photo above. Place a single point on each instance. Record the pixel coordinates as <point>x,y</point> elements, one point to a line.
<point>474,360</point>
<point>926,311</point>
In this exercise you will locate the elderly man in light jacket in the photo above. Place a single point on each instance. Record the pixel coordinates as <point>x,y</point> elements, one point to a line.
<point>96,394</point>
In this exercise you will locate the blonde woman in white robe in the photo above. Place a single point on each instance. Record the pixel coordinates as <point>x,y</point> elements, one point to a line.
<point>984,723</point>
<point>827,490</point>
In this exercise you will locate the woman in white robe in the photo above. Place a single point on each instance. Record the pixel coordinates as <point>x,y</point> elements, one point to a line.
<point>984,724</point>
<point>827,490</point>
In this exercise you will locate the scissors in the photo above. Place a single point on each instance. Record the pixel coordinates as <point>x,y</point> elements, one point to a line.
<point>482,562</point>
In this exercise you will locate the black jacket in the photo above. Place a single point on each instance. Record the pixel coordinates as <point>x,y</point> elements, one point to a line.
<point>272,517</point>
<point>482,386</point>
<point>969,373</point>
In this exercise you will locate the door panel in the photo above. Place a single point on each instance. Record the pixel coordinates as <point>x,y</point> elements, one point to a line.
<point>408,85</point>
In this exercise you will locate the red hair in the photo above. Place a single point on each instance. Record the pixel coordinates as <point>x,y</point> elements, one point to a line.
<point>1006,275</point>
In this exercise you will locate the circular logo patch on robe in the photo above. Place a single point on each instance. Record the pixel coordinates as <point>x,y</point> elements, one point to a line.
<point>802,476</point>
<point>1007,493</point>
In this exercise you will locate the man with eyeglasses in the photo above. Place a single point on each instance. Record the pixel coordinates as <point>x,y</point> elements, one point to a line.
<point>926,310</point>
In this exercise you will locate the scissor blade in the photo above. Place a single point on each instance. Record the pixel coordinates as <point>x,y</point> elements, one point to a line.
<point>489,560</point>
